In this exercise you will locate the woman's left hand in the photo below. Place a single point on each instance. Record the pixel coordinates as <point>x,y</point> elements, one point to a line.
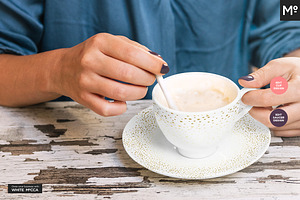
<point>264,99</point>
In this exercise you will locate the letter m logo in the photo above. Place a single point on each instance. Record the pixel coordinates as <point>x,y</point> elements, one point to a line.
<point>290,10</point>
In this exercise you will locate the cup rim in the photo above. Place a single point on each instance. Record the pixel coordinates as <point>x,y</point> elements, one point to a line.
<point>197,112</point>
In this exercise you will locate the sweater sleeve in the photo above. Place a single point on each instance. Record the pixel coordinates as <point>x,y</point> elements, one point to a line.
<point>271,38</point>
<point>21,26</point>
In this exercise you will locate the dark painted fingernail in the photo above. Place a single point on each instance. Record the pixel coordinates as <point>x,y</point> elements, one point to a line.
<point>247,78</point>
<point>154,53</point>
<point>164,69</point>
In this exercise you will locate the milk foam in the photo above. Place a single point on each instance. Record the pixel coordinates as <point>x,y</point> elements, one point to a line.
<point>193,100</point>
<point>196,92</point>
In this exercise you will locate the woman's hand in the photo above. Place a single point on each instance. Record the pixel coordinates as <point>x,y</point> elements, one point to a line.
<point>264,99</point>
<point>92,70</point>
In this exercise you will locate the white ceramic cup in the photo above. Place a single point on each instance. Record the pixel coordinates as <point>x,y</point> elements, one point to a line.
<point>198,134</point>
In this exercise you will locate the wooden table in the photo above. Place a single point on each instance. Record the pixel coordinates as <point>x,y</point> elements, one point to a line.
<point>77,154</point>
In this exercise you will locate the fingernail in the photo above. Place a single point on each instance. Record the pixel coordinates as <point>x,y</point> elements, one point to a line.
<point>164,69</point>
<point>154,53</point>
<point>247,78</point>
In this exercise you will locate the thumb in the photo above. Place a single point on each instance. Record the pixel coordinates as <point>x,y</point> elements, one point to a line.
<point>264,75</point>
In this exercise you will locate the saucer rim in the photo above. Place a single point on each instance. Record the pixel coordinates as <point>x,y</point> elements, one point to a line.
<point>172,175</point>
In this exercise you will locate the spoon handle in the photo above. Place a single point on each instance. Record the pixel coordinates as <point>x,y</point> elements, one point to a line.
<point>168,97</point>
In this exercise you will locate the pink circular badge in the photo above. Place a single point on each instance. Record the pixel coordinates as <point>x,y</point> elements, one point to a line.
<point>279,85</point>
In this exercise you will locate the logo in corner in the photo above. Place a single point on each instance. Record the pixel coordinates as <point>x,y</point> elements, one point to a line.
<point>289,10</point>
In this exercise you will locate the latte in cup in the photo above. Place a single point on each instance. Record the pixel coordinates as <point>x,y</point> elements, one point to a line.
<point>199,92</point>
<point>194,100</point>
<point>209,106</point>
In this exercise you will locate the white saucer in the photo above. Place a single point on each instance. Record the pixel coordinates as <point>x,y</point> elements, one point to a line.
<point>145,143</point>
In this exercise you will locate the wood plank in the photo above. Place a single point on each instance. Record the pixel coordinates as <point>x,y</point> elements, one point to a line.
<point>77,154</point>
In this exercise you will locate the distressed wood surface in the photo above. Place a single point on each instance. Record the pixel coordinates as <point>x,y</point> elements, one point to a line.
<point>77,154</point>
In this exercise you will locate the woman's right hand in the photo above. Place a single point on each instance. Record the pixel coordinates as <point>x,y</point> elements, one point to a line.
<point>90,71</point>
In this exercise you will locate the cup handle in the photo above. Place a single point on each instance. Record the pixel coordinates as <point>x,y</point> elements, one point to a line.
<point>244,109</point>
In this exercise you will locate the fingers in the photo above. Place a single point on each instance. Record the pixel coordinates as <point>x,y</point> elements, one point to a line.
<point>284,67</point>
<point>140,46</point>
<point>265,97</point>
<point>122,50</point>
<point>288,68</point>
<point>133,42</point>
<point>99,66</point>
<point>112,89</point>
<point>287,133</point>
<point>119,70</point>
<point>263,115</point>
<point>103,107</point>
<point>279,67</point>
<point>292,126</point>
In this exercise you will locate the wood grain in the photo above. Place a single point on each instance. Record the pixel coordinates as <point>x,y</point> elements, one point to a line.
<point>77,154</point>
